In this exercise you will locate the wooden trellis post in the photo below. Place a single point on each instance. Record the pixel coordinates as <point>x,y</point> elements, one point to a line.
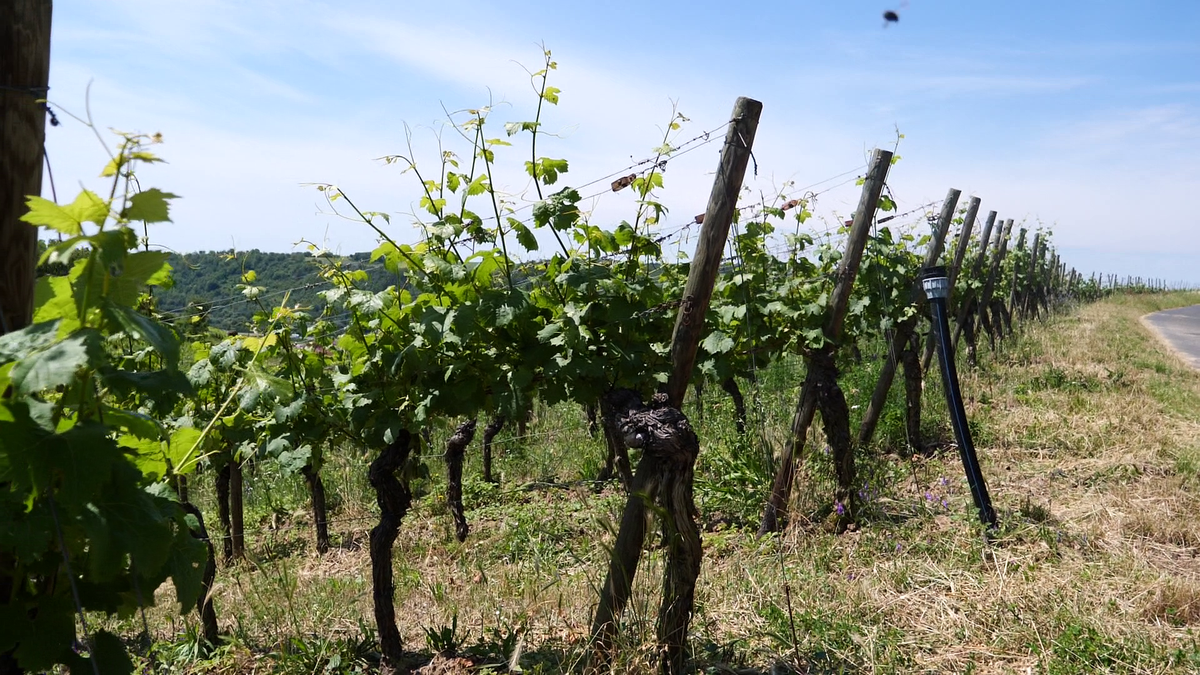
<point>902,336</point>
<point>965,318</point>
<point>986,320</point>
<point>960,255</point>
<point>24,74</point>
<point>1015,294</point>
<point>820,388</point>
<point>669,446</point>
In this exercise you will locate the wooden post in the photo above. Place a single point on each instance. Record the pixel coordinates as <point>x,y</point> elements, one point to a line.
<point>24,74</point>
<point>1028,288</point>
<point>964,239</point>
<point>1014,293</point>
<point>904,332</point>
<point>1046,265</point>
<point>965,303</point>
<point>714,231</point>
<point>669,447</point>
<point>989,286</point>
<point>960,255</point>
<point>864,216</point>
<point>821,362</point>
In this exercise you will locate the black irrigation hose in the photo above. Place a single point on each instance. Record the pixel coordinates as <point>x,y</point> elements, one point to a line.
<point>937,289</point>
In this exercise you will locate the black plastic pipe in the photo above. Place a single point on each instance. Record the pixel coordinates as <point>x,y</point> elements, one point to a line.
<point>937,289</point>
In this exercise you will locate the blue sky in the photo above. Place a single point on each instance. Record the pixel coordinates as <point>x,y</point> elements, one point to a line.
<point>1081,116</point>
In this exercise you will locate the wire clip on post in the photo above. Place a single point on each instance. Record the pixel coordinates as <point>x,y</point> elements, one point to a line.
<point>937,289</point>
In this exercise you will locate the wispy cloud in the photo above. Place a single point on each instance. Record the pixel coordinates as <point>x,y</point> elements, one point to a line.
<point>1165,126</point>
<point>1174,88</point>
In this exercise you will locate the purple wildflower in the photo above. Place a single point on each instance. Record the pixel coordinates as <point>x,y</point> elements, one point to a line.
<point>841,510</point>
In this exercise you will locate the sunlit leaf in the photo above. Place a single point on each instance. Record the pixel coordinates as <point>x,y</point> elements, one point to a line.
<point>68,219</point>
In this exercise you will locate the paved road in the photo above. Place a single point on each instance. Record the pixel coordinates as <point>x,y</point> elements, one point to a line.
<point>1180,328</point>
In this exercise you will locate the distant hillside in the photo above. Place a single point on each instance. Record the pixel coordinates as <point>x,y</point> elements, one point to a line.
<point>212,277</point>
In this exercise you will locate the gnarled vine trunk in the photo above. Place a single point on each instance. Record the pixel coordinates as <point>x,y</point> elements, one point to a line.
<point>489,435</point>
<point>237,512</point>
<point>835,420</point>
<point>912,391</point>
<point>972,338</point>
<point>664,476</point>
<point>591,412</point>
<point>181,488</point>
<point>820,392</point>
<point>316,491</point>
<point>394,499</point>
<point>1005,315</point>
<point>617,459</point>
<point>456,448</point>
<point>222,486</point>
<point>204,603</point>
<point>730,386</point>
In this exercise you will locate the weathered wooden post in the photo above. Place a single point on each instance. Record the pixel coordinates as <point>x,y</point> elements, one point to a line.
<point>1014,294</point>
<point>24,74</point>
<point>820,381</point>
<point>1029,288</point>
<point>989,286</point>
<point>669,446</point>
<point>960,255</point>
<point>969,302</point>
<point>902,335</point>
<point>714,231</point>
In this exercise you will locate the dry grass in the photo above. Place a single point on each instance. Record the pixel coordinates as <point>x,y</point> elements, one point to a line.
<point>1086,427</point>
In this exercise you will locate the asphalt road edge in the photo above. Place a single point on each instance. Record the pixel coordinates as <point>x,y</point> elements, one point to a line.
<point>1182,356</point>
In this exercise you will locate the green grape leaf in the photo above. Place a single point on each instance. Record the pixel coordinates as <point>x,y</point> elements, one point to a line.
<point>147,455</point>
<point>17,345</point>
<point>25,534</point>
<point>146,268</point>
<point>54,299</point>
<point>546,169</point>
<point>293,461</point>
<point>116,276</point>
<point>58,364</point>
<point>69,219</point>
<point>156,383</point>
<point>717,342</point>
<point>45,638</point>
<point>142,327</point>
<point>200,373</point>
<point>85,457</point>
<point>285,413</point>
<point>524,235</point>
<point>181,443</point>
<point>149,206</point>
<point>137,424</point>
<point>185,563</point>
<point>478,186</point>
<point>109,651</point>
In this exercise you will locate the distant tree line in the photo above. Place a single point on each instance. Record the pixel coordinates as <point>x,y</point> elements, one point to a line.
<point>206,282</point>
